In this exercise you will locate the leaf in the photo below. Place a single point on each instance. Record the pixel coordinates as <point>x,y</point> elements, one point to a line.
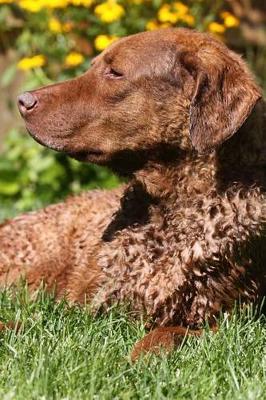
<point>9,188</point>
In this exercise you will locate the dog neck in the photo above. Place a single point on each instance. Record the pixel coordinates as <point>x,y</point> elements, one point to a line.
<point>186,178</point>
<point>162,185</point>
<point>240,161</point>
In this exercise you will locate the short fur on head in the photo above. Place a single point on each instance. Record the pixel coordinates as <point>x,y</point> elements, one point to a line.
<point>183,240</point>
<point>195,78</point>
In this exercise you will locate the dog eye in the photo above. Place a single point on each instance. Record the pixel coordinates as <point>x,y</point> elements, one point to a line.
<point>112,73</point>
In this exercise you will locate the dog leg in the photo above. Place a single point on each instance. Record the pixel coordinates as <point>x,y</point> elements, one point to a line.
<point>165,338</point>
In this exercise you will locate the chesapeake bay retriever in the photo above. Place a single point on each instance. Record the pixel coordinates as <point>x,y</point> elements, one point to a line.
<point>182,117</point>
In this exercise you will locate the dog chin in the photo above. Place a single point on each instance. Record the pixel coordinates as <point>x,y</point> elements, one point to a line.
<point>89,156</point>
<point>47,142</point>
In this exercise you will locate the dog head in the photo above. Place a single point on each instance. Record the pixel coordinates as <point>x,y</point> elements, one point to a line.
<point>171,88</point>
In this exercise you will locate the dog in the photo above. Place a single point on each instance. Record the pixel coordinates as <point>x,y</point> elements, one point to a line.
<point>180,115</point>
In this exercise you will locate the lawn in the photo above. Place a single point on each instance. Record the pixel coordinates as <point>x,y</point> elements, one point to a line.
<point>66,353</point>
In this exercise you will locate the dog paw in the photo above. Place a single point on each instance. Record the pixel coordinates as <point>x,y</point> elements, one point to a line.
<point>160,339</point>
<point>11,325</point>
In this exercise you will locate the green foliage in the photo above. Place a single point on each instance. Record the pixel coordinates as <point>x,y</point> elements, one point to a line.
<point>31,175</point>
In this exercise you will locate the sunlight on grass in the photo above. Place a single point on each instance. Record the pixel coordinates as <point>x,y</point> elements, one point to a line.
<point>65,353</point>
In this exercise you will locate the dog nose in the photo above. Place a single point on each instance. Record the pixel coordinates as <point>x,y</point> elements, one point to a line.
<point>26,102</point>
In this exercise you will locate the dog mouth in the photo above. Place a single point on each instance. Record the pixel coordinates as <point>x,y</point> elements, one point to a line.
<point>87,155</point>
<point>91,155</point>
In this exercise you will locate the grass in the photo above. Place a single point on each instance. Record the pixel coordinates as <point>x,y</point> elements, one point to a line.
<point>66,353</point>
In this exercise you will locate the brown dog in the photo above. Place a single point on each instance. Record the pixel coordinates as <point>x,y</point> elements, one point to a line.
<point>178,113</point>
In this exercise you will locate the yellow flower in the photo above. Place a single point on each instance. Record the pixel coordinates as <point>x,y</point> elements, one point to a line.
<point>189,19</point>
<point>165,25</point>
<point>30,5</point>
<point>54,3</point>
<point>180,8</point>
<point>103,41</point>
<point>31,62</point>
<point>109,11</point>
<point>6,1</point>
<point>74,59</point>
<point>56,26</point>
<point>152,25</point>
<point>215,27</point>
<point>230,21</point>
<point>84,3</point>
<point>166,15</point>
<point>174,12</point>
<point>38,5</point>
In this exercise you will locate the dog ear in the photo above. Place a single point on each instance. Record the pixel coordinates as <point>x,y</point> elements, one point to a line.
<point>224,96</point>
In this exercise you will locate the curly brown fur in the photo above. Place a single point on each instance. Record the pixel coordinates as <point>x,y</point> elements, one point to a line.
<point>181,115</point>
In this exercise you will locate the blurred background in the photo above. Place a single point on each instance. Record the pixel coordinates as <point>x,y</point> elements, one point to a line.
<point>46,41</point>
